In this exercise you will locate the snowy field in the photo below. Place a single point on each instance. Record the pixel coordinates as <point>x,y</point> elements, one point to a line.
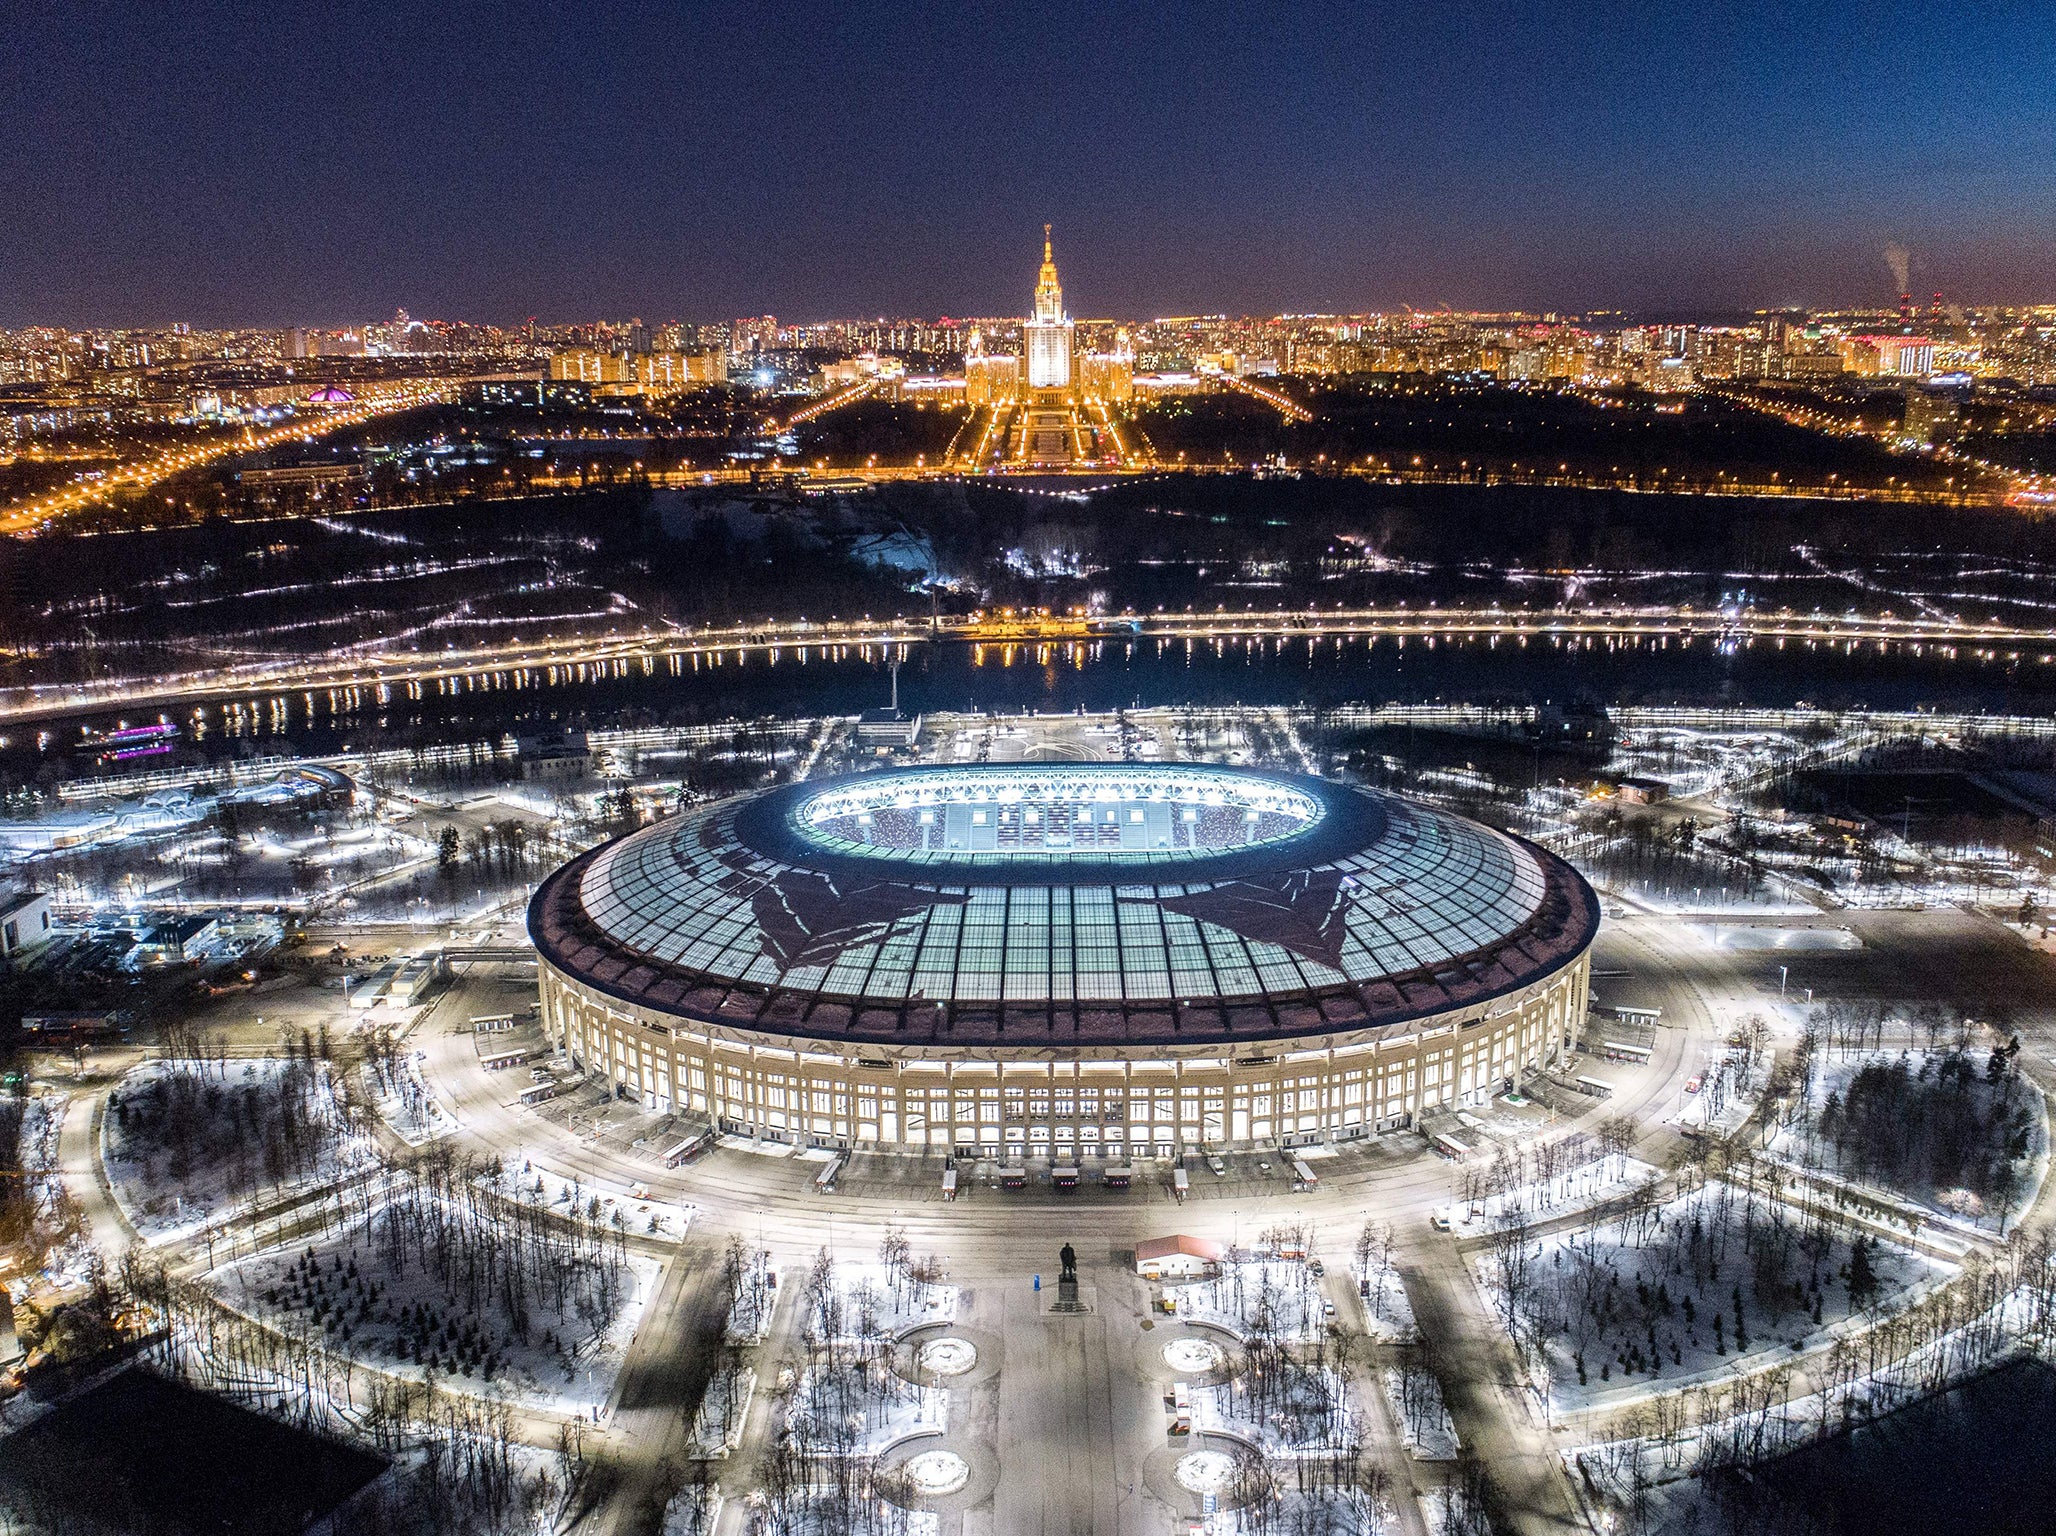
<point>1707,1282</point>
<point>479,1320</point>
<point>187,1144</point>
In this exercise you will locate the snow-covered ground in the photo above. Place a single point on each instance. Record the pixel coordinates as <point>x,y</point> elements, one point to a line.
<point>1654,1300</point>
<point>693,1512</point>
<point>890,1408</point>
<point>1564,1194</point>
<point>1306,1412</point>
<point>1731,1084</point>
<point>1789,1424</point>
<point>1331,1511</point>
<point>410,1106</point>
<point>725,1408</point>
<point>848,1396</point>
<point>756,1297</point>
<point>407,1321</point>
<point>1386,1308</point>
<point>1956,1209</point>
<point>821,1516</point>
<point>1277,1297</point>
<point>392,1504</point>
<point>864,1287</point>
<point>186,1144</point>
<point>67,1261</point>
<point>1446,1513</point>
<point>1424,1422</point>
<point>640,1216</point>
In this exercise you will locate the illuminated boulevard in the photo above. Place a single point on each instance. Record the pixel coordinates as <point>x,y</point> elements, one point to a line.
<point>27,516</point>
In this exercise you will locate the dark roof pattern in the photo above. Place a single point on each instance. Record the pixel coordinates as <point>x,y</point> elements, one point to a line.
<point>1383,911</point>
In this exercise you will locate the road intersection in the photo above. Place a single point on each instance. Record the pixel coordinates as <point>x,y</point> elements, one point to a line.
<point>1070,1423</point>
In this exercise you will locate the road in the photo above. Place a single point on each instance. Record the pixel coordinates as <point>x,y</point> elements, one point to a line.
<point>1057,1391</point>
<point>660,1385</point>
<point>28,515</point>
<point>1068,1424</point>
<point>550,660</point>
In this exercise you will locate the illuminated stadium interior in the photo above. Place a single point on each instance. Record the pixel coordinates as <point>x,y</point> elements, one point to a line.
<point>1151,813</point>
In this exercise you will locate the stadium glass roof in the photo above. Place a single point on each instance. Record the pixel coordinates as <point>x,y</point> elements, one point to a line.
<point>1070,903</point>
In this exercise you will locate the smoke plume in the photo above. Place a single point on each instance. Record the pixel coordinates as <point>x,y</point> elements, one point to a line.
<point>1899,259</point>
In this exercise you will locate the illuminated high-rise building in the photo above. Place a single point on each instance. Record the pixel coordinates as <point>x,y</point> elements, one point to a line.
<point>1109,376</point>
<point>754,333</point>
<point>1047,337</point>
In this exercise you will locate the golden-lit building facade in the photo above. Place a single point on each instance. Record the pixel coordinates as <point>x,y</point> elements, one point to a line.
<point>1047,337</point>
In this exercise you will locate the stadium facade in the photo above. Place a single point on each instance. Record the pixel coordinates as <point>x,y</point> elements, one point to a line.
<point>1050,959</point>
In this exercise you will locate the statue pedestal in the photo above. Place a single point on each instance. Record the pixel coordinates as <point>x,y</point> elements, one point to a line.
<point>1067,1297</point>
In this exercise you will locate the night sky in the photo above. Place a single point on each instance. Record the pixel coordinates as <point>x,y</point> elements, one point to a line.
<point>231,164</point>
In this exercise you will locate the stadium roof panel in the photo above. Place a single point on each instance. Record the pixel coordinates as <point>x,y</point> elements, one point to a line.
<point>1076,903</point>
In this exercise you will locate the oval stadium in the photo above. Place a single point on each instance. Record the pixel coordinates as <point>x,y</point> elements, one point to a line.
<point>1098,960</point>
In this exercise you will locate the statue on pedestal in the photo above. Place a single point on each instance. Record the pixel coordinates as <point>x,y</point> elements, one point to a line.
<point>1067,1281</point>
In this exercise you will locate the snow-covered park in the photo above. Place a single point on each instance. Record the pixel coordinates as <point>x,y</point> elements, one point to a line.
<point>1387,1312</point>
<point>849,1399</point>
<point>1416,1397</point>
<point>401,1096</point>
<point>192,1142</point>
<point>1259,1297</point>
<point>850,1300</point>
<point>1294,1407</point>
<point>1549,1179</point>
<point>1704,1282</point>
<point>1960,1135</point>
<point>538,1310</point>
<point>49,1239</point>
<point>532,1185</point>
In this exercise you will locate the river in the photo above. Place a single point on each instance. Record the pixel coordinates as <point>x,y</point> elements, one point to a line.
<point>1104,675</point>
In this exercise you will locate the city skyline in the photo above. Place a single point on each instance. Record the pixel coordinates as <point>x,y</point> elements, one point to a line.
<point>1884,302</point>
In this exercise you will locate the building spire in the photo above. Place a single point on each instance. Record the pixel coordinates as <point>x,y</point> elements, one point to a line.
<point>1049,297</point>
<point>1048,335</point>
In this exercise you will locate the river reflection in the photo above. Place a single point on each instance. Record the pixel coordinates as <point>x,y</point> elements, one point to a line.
<point>1563,671</point>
